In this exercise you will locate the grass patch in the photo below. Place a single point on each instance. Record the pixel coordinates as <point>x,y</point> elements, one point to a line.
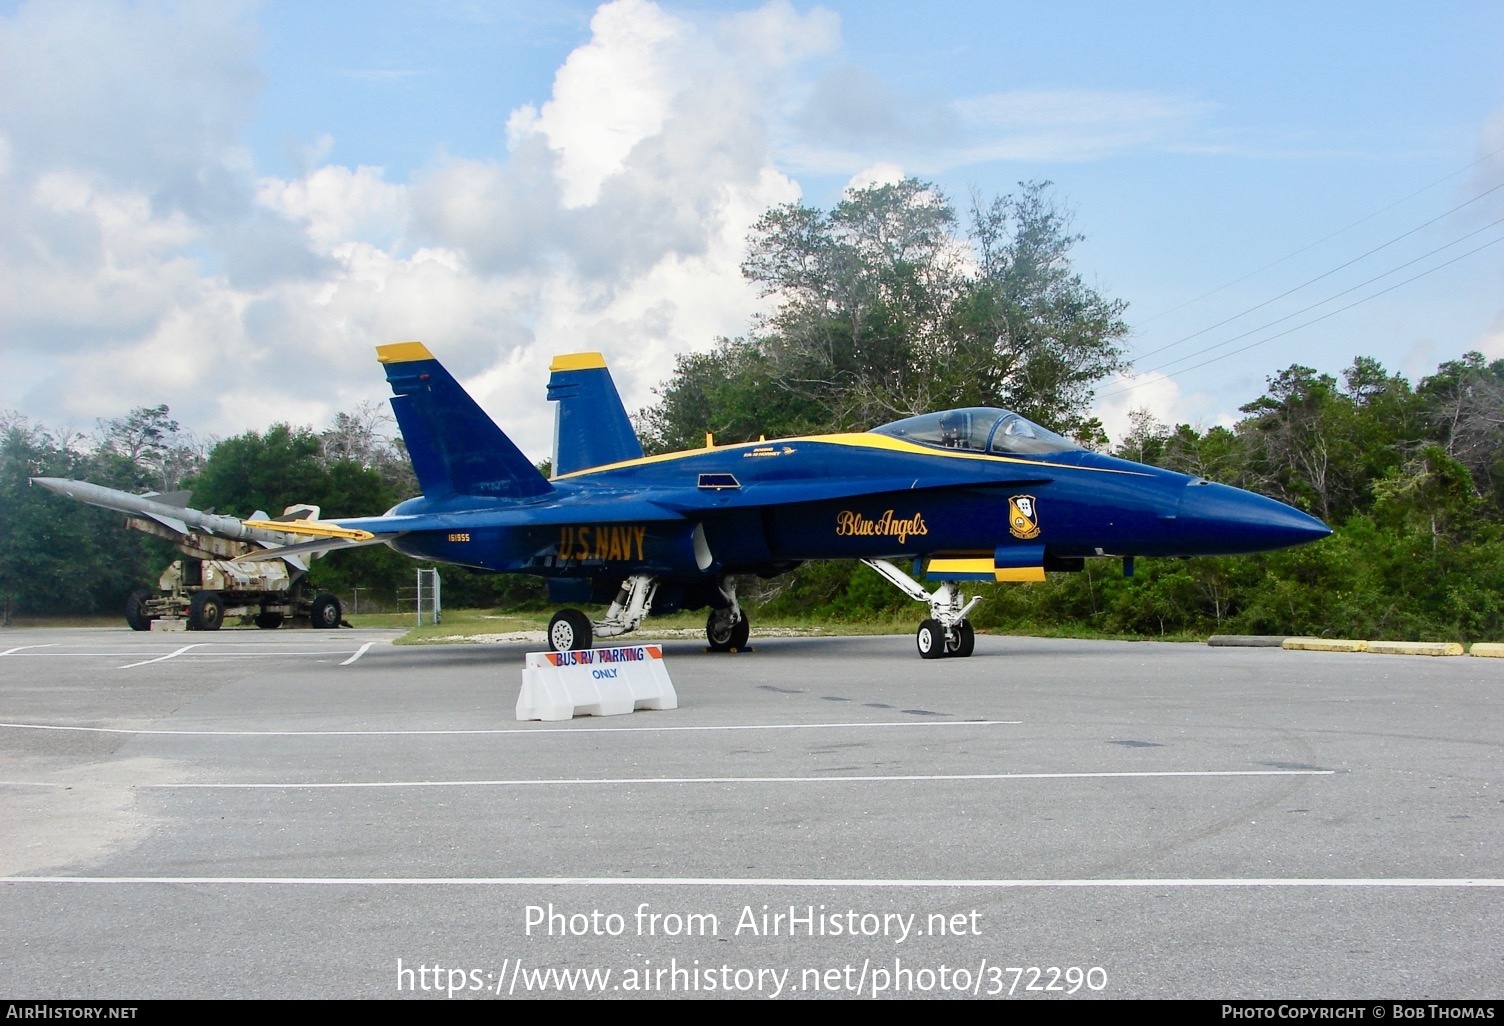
<point>66,621</point>
<point>462,626</point>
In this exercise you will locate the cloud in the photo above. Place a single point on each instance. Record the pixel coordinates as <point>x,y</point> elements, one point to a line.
<point>610,95</point>
<point>145,260</point>
<point>1491,342</point>
<point>1161,396</point>
<point>152,95</point>
<point>852,118</point>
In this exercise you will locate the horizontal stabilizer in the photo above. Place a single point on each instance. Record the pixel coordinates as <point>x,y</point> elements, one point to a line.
<point>171,523</point>
<point>454,447</point>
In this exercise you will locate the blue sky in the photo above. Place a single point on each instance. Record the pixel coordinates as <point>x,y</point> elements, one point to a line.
<point>225,207</point>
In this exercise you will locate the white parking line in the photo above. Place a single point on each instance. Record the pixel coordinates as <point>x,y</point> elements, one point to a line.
<point>619,781</point>
<point>538,731</point>
<point>360,652</point>
<point>22,648</point>
<point>734,881</point>
<point>164,658</point>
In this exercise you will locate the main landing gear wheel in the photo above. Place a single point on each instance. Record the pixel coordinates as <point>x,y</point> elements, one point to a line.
<point>569,631</point>
<point>325,613</point>
<point>206,611</point>
<point>728,637</point>
<point>135,609</point>
<point>930,639</point>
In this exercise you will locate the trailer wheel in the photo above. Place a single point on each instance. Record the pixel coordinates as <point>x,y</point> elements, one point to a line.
<point>135,609</point>
<point>206,611</point>
<point>325,612</point>
<point>268,621</point>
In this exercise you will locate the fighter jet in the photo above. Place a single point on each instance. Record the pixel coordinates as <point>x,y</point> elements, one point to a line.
<point>954,496</point>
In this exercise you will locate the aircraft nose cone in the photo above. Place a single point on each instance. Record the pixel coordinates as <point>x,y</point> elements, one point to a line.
<point>1229,521</point>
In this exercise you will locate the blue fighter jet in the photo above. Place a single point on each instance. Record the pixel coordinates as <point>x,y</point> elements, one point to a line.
<point>960,495</point>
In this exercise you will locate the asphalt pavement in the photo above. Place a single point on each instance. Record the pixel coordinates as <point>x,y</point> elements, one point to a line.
<point>323,814</point>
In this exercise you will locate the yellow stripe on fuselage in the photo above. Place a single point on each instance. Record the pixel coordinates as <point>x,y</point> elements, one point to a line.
<point>403,352</point>
<point>854,439</point>
<point>1019,574</point>
<point>984,565</point>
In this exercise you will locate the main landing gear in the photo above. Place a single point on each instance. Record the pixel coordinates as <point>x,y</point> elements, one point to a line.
<point>571,630</point>
<point>947,632</point>
<point>727,629</point>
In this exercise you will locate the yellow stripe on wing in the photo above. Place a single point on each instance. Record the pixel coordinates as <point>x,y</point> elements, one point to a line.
<point>310,528</point>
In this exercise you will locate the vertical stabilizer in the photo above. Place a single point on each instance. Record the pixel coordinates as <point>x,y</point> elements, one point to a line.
<point>454,447</point>
<point>591,427</point>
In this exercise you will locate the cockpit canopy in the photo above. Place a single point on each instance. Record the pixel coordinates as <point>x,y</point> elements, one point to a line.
<point>978,429</point>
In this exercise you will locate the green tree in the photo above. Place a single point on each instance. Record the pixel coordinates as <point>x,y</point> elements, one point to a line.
<point>57,556</point>
<point>1463,405</point>
<point>884,311</point>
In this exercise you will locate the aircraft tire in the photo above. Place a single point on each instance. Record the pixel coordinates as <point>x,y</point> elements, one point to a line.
<point>732,639</point>
<point>325,613</point>
<point>966,640</point>
<point>268,621</point>
<point>135,609</point>
<point>569,631</point>
<point>206,611</point>
<point>930,640</point>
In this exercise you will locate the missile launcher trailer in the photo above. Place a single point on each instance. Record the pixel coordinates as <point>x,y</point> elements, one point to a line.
<point>225,570</point>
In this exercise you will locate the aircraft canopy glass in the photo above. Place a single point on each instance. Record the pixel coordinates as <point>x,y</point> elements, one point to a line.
<point>978,429</point>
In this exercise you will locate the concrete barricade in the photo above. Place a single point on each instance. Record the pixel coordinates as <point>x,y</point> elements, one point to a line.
<point>595,682</point>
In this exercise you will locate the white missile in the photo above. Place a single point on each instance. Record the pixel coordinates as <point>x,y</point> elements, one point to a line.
<point>177,517</point>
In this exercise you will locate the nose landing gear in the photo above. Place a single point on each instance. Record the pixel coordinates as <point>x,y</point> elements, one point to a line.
<point>947,632</point>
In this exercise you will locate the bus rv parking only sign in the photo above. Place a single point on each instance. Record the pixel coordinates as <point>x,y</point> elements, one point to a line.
<point>595,682</point>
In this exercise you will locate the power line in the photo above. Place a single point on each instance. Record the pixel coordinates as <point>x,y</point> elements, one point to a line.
<point>1326,274</point>
<point>1325,238</point>
<point>1328,299</point>
<point>1314,320</point>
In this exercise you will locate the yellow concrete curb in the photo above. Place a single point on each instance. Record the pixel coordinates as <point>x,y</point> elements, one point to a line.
<point>1493,649</point>
<point>1425,648</point>
<point>1323,645</point>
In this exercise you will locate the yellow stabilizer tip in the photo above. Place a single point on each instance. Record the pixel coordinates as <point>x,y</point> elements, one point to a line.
<point>577,361</point>
<point>311,529</point>
<point>403,352</point>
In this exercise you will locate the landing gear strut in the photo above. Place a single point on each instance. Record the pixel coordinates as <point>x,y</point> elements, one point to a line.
<point>947,632</point>
<point>571,630</point>
<point>727,629</point>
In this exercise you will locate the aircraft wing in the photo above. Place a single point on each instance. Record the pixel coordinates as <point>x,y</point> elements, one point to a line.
<point>353,532</point>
